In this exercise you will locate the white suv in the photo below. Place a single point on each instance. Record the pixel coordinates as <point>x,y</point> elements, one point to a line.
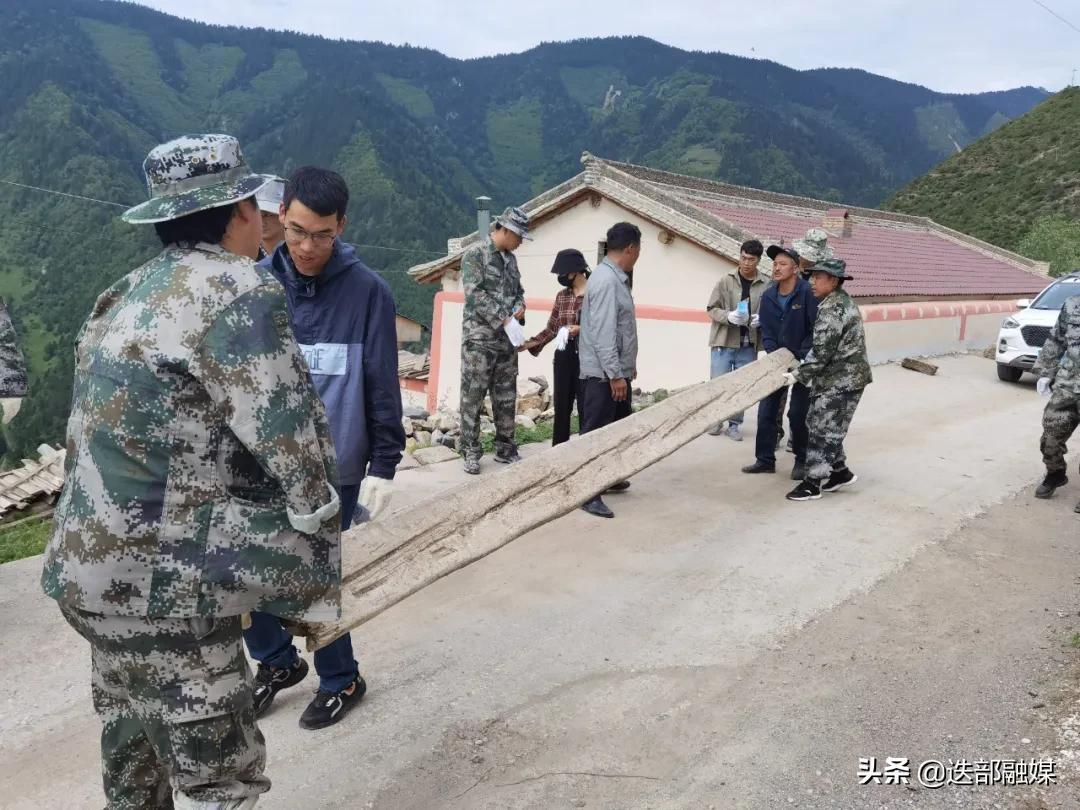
<point>1022,335</point>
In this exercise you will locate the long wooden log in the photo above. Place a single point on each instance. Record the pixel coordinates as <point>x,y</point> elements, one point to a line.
<point>388,559</point>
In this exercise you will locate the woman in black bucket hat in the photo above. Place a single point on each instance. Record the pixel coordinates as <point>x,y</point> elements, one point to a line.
<point>572,271</point>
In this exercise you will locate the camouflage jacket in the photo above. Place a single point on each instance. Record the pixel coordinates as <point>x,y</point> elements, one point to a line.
<point>838,358</point>
<point>493,293</point>
<point>12,365</point>
<point>1059,358</point>
<point>199,460</point>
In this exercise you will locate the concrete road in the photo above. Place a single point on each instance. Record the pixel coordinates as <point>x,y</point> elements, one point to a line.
<point>713,646</point>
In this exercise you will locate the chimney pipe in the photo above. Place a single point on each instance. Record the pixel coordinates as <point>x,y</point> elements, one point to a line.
<point>483,216</point>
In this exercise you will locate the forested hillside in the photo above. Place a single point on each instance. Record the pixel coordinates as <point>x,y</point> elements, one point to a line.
<point>1018,188</point>
<point>88,87</point>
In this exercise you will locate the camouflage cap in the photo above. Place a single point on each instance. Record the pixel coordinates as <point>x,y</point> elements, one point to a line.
<point>814,246</point>
<point>270,196</point>
<point>833,267</point>
<point>516,220</point>
<point>194,173</point>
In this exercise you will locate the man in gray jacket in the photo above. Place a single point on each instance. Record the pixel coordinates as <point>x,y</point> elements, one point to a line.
<point>607,347</point>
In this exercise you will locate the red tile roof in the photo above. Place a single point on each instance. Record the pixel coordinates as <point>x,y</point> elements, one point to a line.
<point>889,260</point>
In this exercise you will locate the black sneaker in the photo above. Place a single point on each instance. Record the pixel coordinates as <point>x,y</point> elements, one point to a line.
<point>798,472</point>
<point>1050,483</point>
<point>808,490</point>
<point>508,458</point>
<point>622,486</point>
<point>329,707</point>
<point>759,467</point>
<point>269,681</point>
<point>839,479</point>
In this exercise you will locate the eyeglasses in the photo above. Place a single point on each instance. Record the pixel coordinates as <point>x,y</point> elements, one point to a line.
<point>296,236</point>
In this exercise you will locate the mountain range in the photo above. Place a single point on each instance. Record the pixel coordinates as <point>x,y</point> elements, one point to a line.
<point>88,87</point>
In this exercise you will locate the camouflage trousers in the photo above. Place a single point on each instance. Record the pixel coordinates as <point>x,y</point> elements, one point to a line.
<point>1060,418</point>
<point>827,422</point>
<point>488,371</point>
<point>174,696</point>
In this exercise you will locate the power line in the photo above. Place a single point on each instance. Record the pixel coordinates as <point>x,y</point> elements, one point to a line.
<point>1043,5</point>
<point>122,205</point>
<point>63,194</point>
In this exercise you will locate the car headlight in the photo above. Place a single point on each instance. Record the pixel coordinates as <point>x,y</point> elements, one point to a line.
<point>1010,323</point>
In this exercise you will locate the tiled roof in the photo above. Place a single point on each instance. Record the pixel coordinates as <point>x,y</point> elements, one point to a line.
<point>891,260</point>
<point>891,255</point>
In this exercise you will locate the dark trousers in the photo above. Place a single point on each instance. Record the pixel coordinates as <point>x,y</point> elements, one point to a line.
<point>769,415</point>
<point>566,386</point>
<point>269,643</point>
<point>598,408</point>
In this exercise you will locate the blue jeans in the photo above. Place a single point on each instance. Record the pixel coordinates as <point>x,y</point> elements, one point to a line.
<point>725,360</point>
<point>269,643</point>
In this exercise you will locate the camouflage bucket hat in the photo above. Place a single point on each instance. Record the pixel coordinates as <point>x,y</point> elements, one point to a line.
<point>516,220</point>
<point>194,173</point>
<point>833,267</point>
<point>814,246</point>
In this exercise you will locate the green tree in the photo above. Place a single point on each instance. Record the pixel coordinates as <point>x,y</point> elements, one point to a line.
<point>1055,240</point>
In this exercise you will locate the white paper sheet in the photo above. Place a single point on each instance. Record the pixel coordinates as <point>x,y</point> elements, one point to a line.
<point>514,332</point>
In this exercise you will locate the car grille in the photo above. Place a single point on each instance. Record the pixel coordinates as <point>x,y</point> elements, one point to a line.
<point>1035,335</point>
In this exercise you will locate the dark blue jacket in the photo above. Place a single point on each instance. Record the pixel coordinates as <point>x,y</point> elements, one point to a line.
<point>794,329</point>
<point>344,321</point>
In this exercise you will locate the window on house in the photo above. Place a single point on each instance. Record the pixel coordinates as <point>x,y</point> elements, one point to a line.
<point>601,251</point>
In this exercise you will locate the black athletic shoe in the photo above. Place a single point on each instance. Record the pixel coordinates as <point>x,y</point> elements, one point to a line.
<point>508,458</point>
<point>329,707</point>
<point>759,467</point>
<point>269,681</point>
<point>808,490</point>
<point>598,508</point>
<point>622,486</point>
<point>1050,483</point>
<point>839,479</point>
<point>798,472</point>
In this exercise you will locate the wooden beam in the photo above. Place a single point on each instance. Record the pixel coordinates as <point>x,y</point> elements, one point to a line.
<point>918,365</point>
<point>388,559</point>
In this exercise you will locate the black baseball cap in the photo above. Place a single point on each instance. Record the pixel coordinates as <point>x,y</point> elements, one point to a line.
<point>776,250</point>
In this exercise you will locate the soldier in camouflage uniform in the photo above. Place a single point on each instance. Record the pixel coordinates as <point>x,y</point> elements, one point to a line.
<point>12,368</point>
<point>1058,370</point>
<point>836,371</point>
<point>197,489</point>
<point>489,363</point>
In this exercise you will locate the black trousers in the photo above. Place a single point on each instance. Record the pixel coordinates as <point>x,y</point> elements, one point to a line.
<point>566,391</point>
<point>598,408</point>
<point>770,411</point>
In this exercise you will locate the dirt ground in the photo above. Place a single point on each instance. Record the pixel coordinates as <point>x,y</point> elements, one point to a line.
<point>713,646</point>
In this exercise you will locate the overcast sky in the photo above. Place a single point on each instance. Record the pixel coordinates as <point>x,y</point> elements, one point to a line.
<point>947,45</point>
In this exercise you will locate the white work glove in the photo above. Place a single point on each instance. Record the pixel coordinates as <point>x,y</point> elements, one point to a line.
<point>375,494</point>
<point>755,321</point>
<point>1043,386</point>
<point>736,318</point>
<point>562,338</point>
<point>10,406</point>
<point>762,354</point>
<point>789,378</point>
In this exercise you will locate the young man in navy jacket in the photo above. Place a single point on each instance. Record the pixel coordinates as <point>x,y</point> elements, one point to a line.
<point>343,317</point>
<point>788,310</point>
